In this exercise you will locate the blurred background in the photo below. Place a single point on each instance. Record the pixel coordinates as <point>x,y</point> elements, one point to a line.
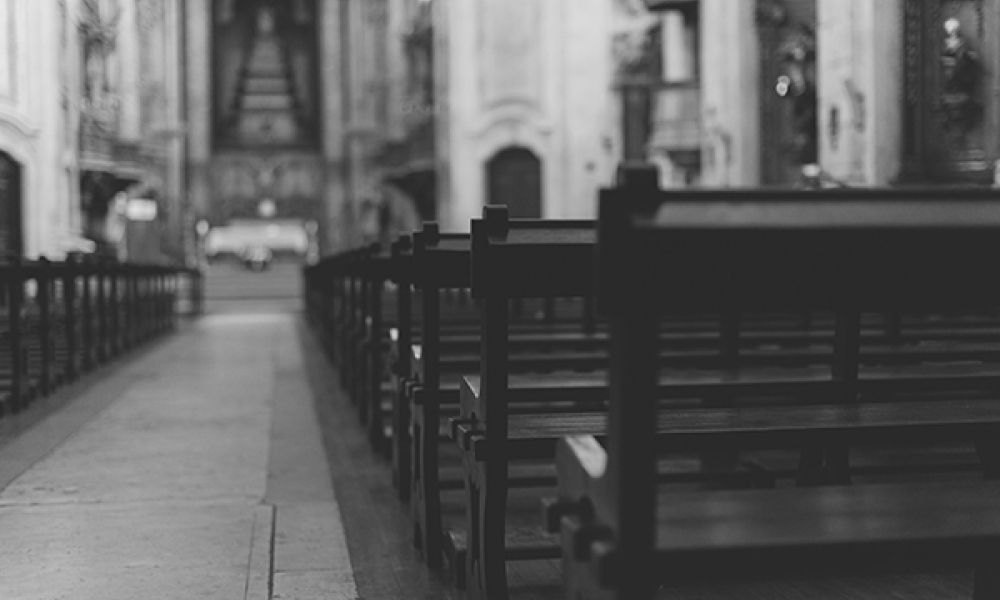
<point>242,132</point>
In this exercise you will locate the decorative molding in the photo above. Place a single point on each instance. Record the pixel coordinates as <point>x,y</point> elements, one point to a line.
<point>18,124</point>
<point>280,177</point>
<point>947,120</point>
<point>99,22</point>
<point>522,112</point>
<point>632,8</point>
<point>12,51</point>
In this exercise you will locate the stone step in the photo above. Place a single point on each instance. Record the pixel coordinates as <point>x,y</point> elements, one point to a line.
<point>267,125</point>
<point>270,102</point>
<point>265,85</point>
<point>265,72</point>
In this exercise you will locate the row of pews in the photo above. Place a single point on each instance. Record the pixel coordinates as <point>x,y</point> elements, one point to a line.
<point>60,320</point>
<point>698,385</point>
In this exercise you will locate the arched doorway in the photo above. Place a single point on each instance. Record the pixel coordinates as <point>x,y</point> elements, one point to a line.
<point>514,179</point>
<point>11,197</point>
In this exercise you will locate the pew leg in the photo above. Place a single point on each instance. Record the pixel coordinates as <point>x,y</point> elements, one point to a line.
<point>578,576</point>
<point>426,476</point>
<point>824,466</point>
<point>401,442</point>
<point>486,566</point>
<point>810,472</point>
<point>719,463</point>
<point>837,463</point>
<point>376,423</point>
<point>417,505</point>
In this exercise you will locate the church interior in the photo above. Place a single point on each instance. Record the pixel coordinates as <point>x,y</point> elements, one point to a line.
<point>499,299</point>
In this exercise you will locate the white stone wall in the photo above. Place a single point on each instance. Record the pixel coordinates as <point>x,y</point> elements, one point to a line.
<point>40,91</point>
<point>531,73</point>
<point>860,89</point>
<point>730,73</point>
<point>199,101</point>
<point>32,118</point>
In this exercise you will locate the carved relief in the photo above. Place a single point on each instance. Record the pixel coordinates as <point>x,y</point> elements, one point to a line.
<point>275,177</point>
<point>9,56</point>
<point>265,88</point>
<point>948,123</point>
<point>99,33</point>
<point>418,42</point>
<point>636,52</point>
<point>961,74</point>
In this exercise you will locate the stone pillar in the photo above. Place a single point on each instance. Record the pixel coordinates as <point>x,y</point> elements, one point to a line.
<point>331,75</point>
<point>180,234</point>
<point>129,66</point>
<point>41,211</point>
<point>859,65</point>
<point>199,103</point>
<point>730,73</point>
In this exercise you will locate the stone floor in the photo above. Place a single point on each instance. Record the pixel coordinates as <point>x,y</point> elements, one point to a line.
<point>192,470</point>
<point>225,463</point>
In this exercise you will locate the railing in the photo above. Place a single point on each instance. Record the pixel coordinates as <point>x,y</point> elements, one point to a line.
<point>59,320</point>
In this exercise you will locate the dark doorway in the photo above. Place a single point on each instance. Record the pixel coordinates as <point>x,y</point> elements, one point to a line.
<point>11,227</point>
<point>514,178</point>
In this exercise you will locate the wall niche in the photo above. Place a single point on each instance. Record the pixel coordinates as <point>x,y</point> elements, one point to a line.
<point>949,71</point>
<point>265,74</point>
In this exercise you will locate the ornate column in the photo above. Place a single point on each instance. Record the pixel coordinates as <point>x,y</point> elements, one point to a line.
<point>199,102</point>
<point>332,102</point>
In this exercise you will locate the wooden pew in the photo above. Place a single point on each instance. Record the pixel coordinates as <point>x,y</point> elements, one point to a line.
<point>378,318</point>
<point>428,383</point>
<point>54,325</point>
<point>622,537</point>
<point>488,449</point>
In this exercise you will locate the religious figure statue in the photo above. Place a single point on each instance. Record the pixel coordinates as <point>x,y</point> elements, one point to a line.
<point>419,44</point>
<point>225,11</point>
<point>265,20</point>
<point>961,72</point>
<point>99,30</point>
<point>636,51</point>
<point>797,84</point>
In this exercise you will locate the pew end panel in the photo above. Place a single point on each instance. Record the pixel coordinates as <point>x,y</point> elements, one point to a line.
<point>440,261</point>
<point>511,259</point>
<point>727,254</point>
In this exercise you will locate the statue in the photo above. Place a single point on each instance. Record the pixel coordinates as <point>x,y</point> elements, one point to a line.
<point>961,73</point>
<point>99,30</point>
<point>265,21</point>
<point>797,83</point>
<point>225,12</point>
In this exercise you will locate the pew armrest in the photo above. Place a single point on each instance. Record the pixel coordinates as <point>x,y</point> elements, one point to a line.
<point>580,462</point>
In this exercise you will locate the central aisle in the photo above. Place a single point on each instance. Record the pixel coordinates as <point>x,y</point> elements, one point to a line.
<point>193,471</point>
